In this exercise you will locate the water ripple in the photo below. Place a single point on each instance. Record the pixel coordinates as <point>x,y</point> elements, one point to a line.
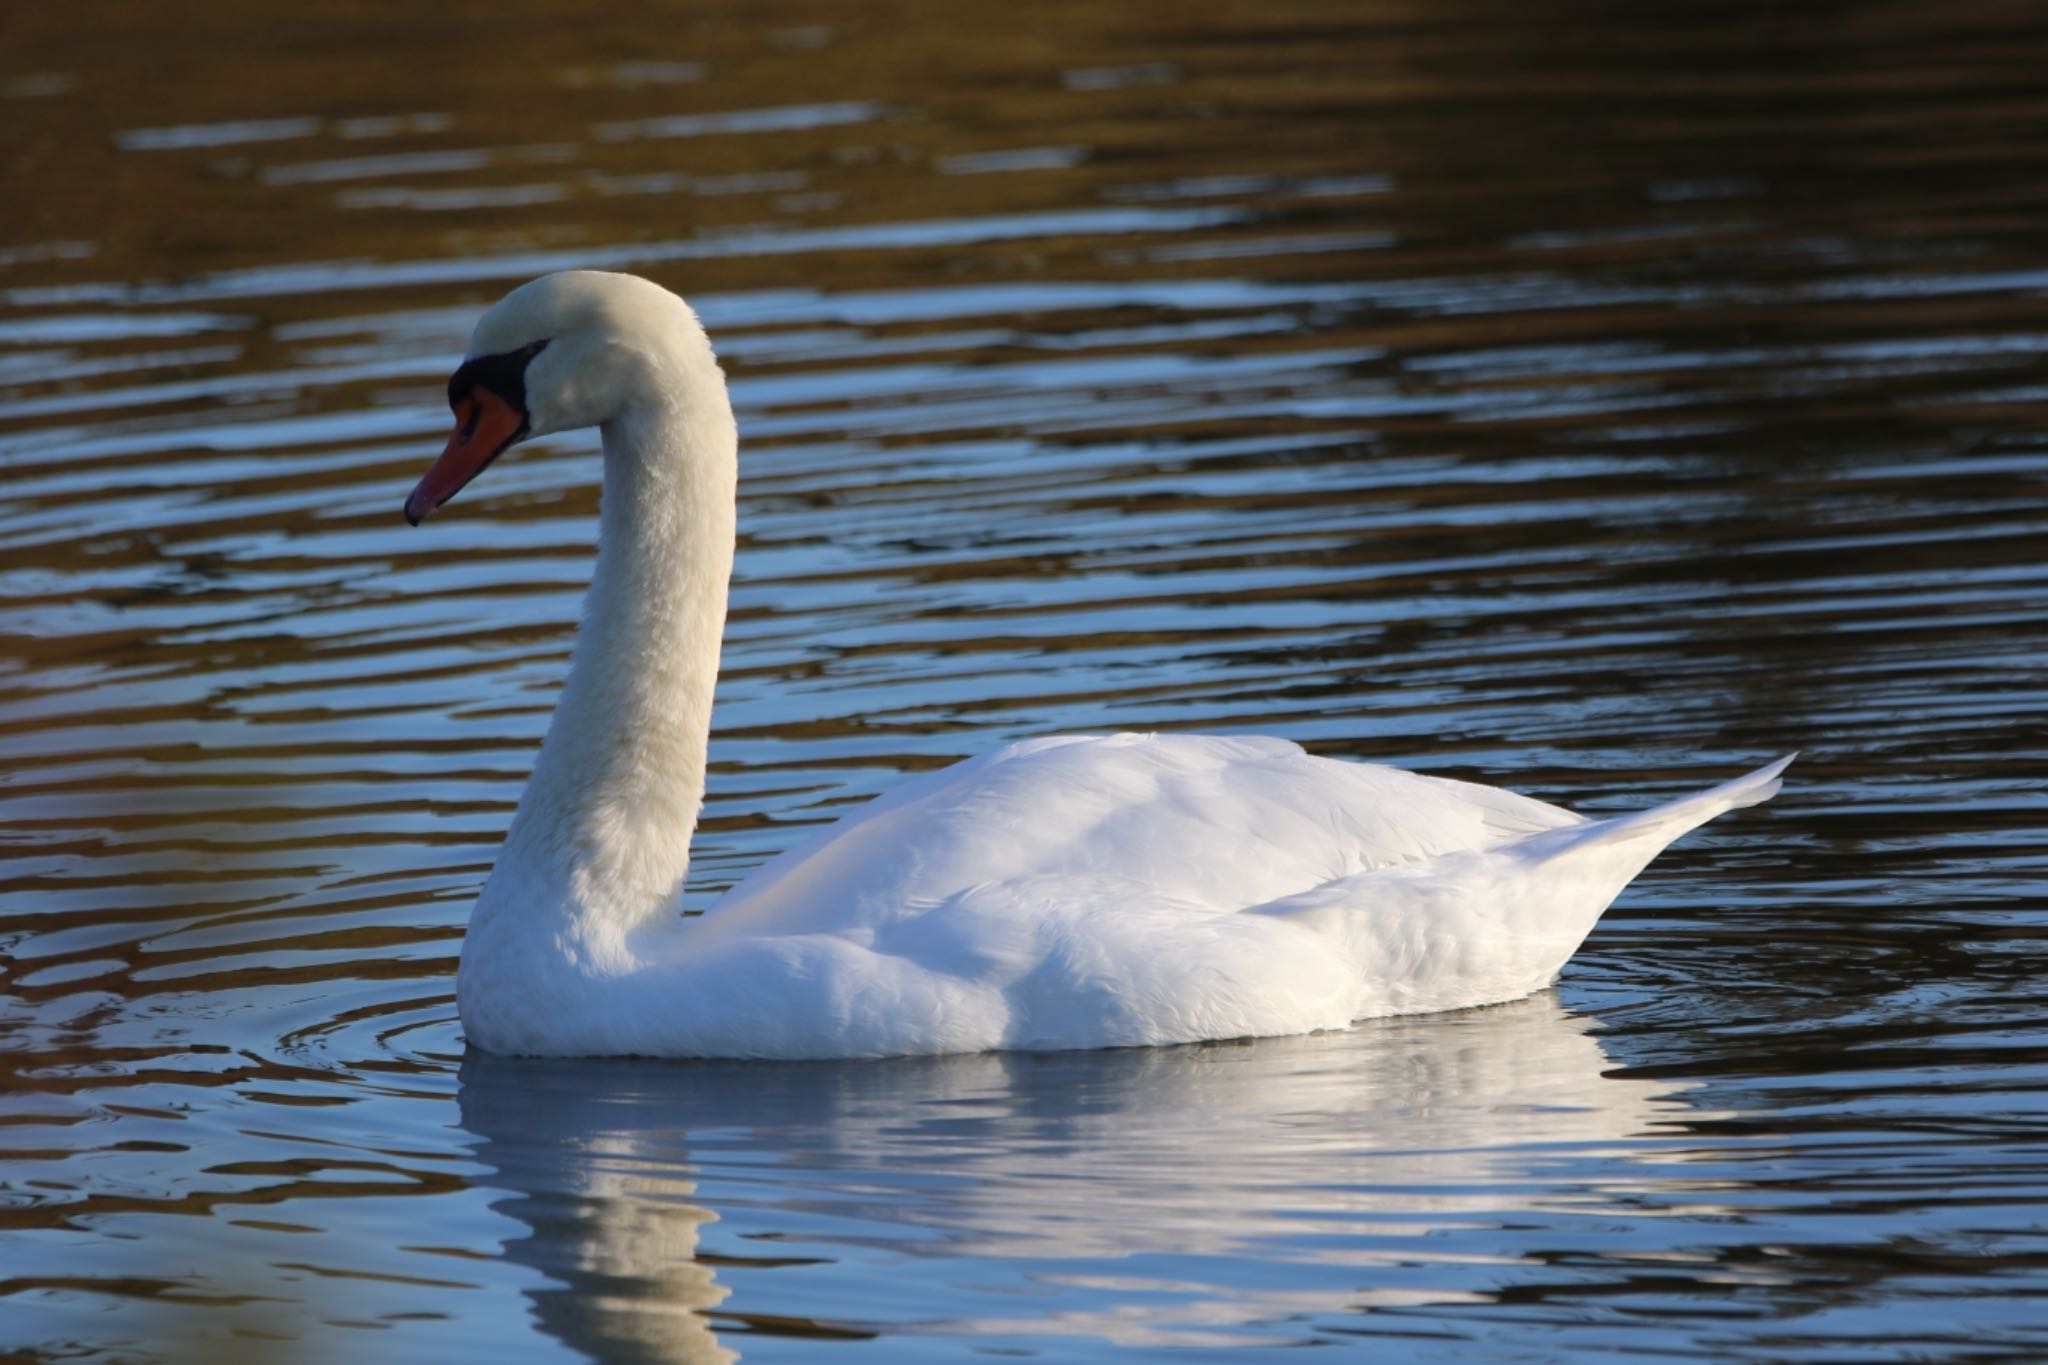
<point>1592,401</point>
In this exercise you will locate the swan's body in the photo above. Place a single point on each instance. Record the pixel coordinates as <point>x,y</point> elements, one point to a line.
<point>1059,893</point>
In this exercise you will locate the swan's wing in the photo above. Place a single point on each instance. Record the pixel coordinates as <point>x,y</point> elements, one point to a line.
<point>1213,824</point>
<point>1504,815</point>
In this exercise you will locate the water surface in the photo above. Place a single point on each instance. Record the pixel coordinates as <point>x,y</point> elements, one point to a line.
<point>1597,402</point>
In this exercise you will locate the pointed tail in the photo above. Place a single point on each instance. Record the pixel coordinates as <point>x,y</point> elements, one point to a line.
<point>1666,822</point>
<point>1484,925</point>
<point>1601,857</point>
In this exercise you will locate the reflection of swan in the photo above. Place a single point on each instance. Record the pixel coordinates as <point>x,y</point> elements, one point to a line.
<point>1060,893</point>
<point>1377,1165</point>
<point>620,1241</point>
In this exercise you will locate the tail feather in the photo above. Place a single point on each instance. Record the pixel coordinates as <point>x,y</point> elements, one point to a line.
<point>1483,925</point>
<point>1644,833</point>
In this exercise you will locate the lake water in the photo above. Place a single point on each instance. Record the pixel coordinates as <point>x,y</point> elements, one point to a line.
<point>1596,399</point>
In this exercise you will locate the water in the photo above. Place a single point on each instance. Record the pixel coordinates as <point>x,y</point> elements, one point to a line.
<point>1598,401</point>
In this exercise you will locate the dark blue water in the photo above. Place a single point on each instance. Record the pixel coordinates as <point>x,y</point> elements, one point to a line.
<point>1596,402</point>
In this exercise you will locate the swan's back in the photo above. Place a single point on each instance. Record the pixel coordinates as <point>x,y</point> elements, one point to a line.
<point>1211,824</point>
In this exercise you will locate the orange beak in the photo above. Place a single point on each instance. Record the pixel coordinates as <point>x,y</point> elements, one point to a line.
<point>484,425</point>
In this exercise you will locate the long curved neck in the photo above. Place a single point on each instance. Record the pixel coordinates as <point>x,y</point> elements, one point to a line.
<point>601,841</point>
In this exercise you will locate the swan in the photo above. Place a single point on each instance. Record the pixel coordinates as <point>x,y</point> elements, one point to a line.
<point>1073,891</point>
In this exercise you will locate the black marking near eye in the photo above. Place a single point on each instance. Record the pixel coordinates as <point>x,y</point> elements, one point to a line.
<point>503,374</point>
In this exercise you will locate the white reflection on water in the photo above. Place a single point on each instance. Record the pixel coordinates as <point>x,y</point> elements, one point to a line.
<point>1348,1159</point>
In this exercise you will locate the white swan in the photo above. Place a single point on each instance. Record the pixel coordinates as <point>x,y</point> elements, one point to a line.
<point>1069,892</point>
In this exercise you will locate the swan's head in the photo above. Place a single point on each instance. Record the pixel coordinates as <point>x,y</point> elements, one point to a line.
<point>563,351</point>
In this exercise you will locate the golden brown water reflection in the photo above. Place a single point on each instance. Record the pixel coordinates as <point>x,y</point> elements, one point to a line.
<point>1595,398</point>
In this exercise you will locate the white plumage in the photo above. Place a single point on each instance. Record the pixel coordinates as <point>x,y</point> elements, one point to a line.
<point>1067,892</point>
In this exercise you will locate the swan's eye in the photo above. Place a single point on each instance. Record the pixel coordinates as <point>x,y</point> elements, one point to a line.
<point>503,374</point>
